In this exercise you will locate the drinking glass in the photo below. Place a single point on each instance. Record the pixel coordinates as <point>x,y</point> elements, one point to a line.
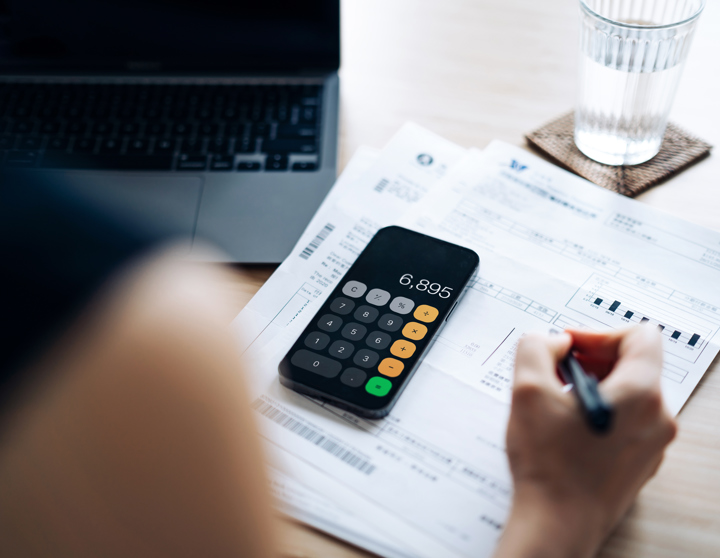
<point>632,54</point>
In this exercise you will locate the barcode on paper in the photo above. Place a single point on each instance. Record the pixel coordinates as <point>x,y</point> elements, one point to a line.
<point>380,186</point>
<point>317,241</point>
<point>312,435</point>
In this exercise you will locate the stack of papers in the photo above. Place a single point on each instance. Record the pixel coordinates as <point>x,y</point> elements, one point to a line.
<point>556,251</point>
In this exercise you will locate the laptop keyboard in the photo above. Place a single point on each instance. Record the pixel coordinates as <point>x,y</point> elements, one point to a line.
<point>230,128</point>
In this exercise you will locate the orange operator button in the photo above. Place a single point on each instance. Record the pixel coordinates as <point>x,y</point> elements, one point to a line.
<point>390,367</point>
<point>402,348</point>
<point>414,331</point>
<point>426,313</point>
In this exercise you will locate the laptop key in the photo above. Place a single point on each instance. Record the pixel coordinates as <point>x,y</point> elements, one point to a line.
<point>289,146</point>
<point>138,146</point>
<point>191,162</point>
<point>7,142</point>
<point>110,145</point>
<point>30,142</point>
<point>221,162</point>
<point>218,145</point>
<point>288,131</point>
<point>164,146</point>
<point>58,144</point>
<point>248,166</point>
<point>22,127</point>
<point>276,162</point>
<point>59,160</point>
<point>193,146</point>
<point>304,166</point>
<point>84,145</point>
<point>21,158</point>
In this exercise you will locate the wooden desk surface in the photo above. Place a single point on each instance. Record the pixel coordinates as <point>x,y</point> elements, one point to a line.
<point>476,70</point>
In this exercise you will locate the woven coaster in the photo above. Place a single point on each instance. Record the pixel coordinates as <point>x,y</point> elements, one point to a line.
<point>679,150</point>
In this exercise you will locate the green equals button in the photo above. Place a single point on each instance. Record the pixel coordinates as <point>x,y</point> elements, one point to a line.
<point>378,386</point>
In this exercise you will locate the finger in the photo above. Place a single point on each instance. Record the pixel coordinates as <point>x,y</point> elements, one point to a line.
<point>597,347</point>
<point>538,356</point>
<point>639,364</point>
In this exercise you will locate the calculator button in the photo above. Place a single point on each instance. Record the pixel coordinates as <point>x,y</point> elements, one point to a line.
<point>402,305</point>
<point>329,323</point>
<point>354,289</point>
<point>378,340</point>
<point>354,332</point>
<point>341,349</point>
<point>366,358</point>
<point>390,322</point>
<point>391,367</point>
<point>378,386</point>
<point>414,331</point>
<point>402,348</point>
<point>316,363</point>
<point>317,340</point>
<point>342,305</point>
<point>366,314</point>
<point>353,377</point>
<point>426,313</point>
<point>378,297</point>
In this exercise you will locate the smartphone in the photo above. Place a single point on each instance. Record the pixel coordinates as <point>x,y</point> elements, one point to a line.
<point>362,347</point>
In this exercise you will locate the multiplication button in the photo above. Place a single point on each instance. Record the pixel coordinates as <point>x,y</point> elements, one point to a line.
<point>354,289</point>
<point>316,363</point>
<point>414,331</point>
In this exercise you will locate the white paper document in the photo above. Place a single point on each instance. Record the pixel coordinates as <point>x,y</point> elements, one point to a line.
<point>432,479</point>
<point>557,251</point>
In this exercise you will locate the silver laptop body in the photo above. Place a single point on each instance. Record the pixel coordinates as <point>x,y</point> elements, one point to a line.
<point>237,154</point>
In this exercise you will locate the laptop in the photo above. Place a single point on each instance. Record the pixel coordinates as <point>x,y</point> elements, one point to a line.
<point>218,119</point>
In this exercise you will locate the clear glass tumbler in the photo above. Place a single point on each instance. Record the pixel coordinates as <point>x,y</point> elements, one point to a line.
<point>632,54</point>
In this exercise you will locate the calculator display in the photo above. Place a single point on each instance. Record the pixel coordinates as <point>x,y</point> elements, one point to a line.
<point>363,345</point>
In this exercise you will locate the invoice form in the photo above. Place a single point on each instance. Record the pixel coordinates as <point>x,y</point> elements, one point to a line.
<point>557,251</point>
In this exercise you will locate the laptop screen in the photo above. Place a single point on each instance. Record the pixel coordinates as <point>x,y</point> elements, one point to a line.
<point>169,36</point>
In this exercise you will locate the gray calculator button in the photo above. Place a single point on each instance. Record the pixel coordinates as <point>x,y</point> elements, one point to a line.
<point>342,305</point>
<point>366,314</point>
<point>354,332</point>
<point>319,364</point>
<point>329,323</point>
<point>353,377</point>
<point>390,322</point>
<point>317,341</point>
<point>402,305</point>
<point>378,297</point>
<point>354,289</point>
<point>341,349</point>
<point>366,358</point>
<point>378,340</point>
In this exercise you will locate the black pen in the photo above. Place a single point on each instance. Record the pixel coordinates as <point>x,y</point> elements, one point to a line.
<point>598,412</point>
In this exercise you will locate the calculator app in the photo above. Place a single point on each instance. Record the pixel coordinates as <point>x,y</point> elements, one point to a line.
<point>368,337</point>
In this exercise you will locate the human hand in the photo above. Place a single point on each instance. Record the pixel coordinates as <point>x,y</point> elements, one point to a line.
<point>572,485</point>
